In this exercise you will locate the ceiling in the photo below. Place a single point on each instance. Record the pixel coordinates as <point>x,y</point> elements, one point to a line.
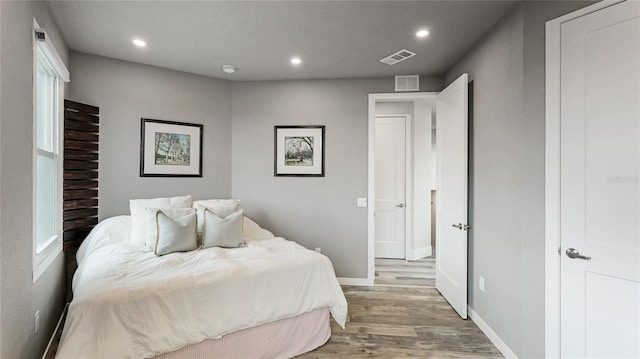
<point>334,39</point>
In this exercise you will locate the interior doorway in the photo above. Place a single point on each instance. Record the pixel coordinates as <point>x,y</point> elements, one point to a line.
<point>413,201</point>
<point>450,106</point>
<point>418,110</point>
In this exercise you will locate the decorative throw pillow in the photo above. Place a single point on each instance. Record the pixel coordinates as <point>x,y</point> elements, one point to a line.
<point>151,223</point>
<point>175,230</point>
<point>223,207</point>
<point>138,216</point>
<point>221,231</point>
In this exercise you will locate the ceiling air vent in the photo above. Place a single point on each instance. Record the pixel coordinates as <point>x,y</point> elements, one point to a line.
<point>408,83</point>
<point>40,35</point>
<point>397,57</point>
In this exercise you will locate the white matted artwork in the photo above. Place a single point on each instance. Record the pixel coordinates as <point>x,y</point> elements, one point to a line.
<point>170,149</point>
<point>299,151</point>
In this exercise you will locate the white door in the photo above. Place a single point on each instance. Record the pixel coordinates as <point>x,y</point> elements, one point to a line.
<point>451,203</point>
<point>390,152</point>
<point>599,184</point>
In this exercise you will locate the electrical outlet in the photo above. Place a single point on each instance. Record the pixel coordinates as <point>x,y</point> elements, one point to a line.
<point>37,320</point>
<point>318,250</point>
<point>362,202</point>
<point>481,283</point>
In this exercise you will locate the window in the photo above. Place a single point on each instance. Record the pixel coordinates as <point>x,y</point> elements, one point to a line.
<point>48,82</point>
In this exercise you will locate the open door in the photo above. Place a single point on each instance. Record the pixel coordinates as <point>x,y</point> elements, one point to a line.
<point>452,226</point>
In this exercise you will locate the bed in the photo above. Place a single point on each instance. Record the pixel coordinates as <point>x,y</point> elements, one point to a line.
<point>269,299</point>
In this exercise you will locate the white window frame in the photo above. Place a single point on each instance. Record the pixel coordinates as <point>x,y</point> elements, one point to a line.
<point>44,49</point>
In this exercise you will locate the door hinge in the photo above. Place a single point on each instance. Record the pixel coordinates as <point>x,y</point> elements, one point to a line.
<point>559,251</point>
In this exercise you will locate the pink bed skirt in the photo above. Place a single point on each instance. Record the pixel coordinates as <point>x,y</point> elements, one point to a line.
<point>283,338</point>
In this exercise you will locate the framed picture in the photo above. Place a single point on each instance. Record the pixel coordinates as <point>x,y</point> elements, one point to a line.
<point>170,149</point>
<point>299,151</point>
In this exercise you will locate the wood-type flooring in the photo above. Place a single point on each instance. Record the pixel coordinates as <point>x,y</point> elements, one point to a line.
<point>403,316</point>
<point>401,273</point>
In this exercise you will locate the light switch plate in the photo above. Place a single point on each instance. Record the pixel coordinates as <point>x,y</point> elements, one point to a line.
<point>362,202</point>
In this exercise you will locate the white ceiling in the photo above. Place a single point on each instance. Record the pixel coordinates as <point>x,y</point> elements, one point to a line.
<point>335,39</point>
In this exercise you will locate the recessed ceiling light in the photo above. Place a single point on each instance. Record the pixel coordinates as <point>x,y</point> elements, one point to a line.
<point>296,61</point>
<point>229,69</point>
<point>139,42</point>
<point>422,33</point>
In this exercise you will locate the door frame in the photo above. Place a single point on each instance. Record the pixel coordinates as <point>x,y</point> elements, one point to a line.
<point>408,176</point>
<point>552,175</point>
<point>388,97</point>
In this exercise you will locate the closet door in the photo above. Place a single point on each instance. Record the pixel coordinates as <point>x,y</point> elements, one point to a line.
<point>390,165</point>
<point>599,184</point>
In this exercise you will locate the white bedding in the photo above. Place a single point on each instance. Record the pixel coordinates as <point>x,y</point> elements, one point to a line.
<point>131,304</point>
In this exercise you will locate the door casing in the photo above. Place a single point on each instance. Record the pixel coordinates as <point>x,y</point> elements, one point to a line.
<point>552,176</point>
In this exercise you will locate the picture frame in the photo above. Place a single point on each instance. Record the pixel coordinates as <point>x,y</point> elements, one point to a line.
<point>170,149</point>
<point>299,151</point>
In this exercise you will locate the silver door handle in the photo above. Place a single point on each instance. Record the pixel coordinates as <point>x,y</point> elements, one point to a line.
<point>461,226</point>
<point>401,205</point>
<point>573,253</point>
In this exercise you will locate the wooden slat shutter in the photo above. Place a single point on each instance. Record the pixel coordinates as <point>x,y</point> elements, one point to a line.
<point>80,185</point>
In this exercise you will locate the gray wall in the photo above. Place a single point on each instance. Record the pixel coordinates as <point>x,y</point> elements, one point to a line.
<point>20,297</point>
<point>496,68</point>
<point>315,212</point>
<point>507,188</point>
<point>127,92</point>
<point>0,173</point>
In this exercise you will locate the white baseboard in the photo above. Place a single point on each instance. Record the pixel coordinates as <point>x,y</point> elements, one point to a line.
<point>422,252</point>
<point>419,253</point>
<point>363,282</point>
<point>495,339</point>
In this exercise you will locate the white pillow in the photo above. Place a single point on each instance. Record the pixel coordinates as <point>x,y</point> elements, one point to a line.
<point>249,226</point>
<point>138,216</point>
<point>223,207</point>
<point>253,231</point>
<point>173,230</point>
<point>151,223</point>
<point>226,232</point>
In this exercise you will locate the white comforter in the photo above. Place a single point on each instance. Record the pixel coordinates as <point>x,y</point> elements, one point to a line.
<point>131,304</point>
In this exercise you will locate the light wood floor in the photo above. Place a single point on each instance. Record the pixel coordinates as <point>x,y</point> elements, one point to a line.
<point>401,273</point>
<point>403,316</point>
